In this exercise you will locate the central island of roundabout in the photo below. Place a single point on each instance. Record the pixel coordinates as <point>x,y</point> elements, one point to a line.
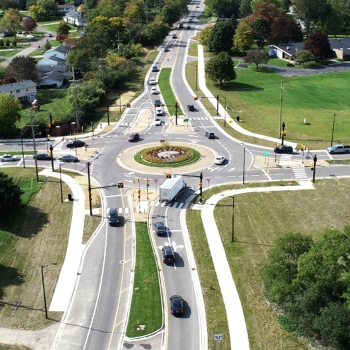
<point>166,157</point>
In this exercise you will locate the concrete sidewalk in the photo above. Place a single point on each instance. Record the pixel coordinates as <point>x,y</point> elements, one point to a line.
<point>234,312</point>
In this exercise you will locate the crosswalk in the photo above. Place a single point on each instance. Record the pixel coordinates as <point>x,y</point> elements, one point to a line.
<point>121,210</point>
<point>177,205</point>
<point>299,173</point>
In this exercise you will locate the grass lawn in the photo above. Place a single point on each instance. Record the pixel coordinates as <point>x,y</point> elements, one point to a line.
<point>259,219</point>
<point>255,96</point>
<point>13,347</point>
<point>167,92</point>
<point>9,53</point>
<point>146,304</point>
<point>37,236</point>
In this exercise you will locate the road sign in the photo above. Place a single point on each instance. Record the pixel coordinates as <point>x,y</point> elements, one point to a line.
<point>208,179</point>
<point>185,120</point>
<point>155,181</point>
<point>217,337</point>
<point>266,154</point>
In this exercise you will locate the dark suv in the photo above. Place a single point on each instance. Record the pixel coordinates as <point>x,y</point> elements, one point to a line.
<point>133,137</point>
<point>210,135</point>
<point>113,217</point>
<point>168,254</point>
<point>283,149</point>
<point>157,102</point>
<point>75,144</point>
<point>190,108</point>
<point>159,228</point>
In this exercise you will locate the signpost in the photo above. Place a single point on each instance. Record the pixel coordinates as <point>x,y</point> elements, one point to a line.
<point>218,337</point>
<point>267,155</point>
<point>208,179</point>
<point>156,182</point>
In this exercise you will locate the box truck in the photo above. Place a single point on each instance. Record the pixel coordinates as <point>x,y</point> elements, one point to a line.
<point>170,188</point>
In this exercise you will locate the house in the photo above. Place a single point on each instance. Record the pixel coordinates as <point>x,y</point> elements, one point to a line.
<point>340,46</point>
<point>24,90</point>
<point>53,68</point>
<point>65,8</point>
<point>52,78</point>
<point>75,18</point>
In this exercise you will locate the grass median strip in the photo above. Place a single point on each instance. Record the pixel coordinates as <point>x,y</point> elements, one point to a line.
<point>146,306</point>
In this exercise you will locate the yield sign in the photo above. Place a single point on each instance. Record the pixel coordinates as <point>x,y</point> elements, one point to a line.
<point>208,179</point>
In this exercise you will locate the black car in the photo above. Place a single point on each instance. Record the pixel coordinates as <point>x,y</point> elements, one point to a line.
<point>283,149</point>
<point>42,156</point>
<point>188,27</point>
<point>176,305</point>
<point>168,254</point>
<point>154,68</point>
<point>157,103</point>
<point>133,137</point>
<point>68,158</point>
<point>113,217</point>
<point>210,135</point>
<point>190,108</point>
<point>181,25</point>
<point>166,49</point>
<point>75,144</point>
<point>160,228</point>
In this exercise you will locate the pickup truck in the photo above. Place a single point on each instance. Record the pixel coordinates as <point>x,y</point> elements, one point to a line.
<point>338,149</point>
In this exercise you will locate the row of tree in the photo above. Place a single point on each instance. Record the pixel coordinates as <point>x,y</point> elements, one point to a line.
<point>309,281</point>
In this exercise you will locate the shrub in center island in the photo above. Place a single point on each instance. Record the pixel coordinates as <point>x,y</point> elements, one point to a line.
<point>162,154</point>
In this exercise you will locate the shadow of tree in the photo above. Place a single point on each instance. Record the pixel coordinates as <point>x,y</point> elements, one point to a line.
<point>9,277</point>
<point>234,86</point>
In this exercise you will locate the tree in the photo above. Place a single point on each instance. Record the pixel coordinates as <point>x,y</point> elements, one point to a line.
<point>304,56</point>
<point>256,56</point>
<point>261,29</point>
<point>47,45</point>
<point>63,28</point>
<point>173,9</point>
<point>156,31</point>
<point>223,8</point>
<point>285,30</point>
<point>282,267</point>
<point>10,196</point>
<point>270,12</point>
<point>10,108</point>
<point>220,68</point>
<point>204,35</point>
<point>220,38</point>
<point>37,13</point>
<point>22,68</point>
<point>244,37</point>
<point>255,3</point>
<point>29,24</point>
<point>49,7</point>
<point>8,79</point>
<point>310,12</point>
<point>318,44</point>
<point>88,96</point>
<point>11,21</point>
<point>245,8</point>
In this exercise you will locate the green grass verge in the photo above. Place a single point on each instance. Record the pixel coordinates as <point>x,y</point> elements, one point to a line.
<point>146,304</point>
<point>167,92</point>
<point>9,53</point>
<point>193,50</point>
<point>194,159</point>
<point>256,95</point>
<point>13,347</point>
<point>259,219</point>
<point>340,161</point>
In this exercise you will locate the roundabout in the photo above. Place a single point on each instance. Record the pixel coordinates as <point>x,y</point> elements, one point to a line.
<point>126,159</point>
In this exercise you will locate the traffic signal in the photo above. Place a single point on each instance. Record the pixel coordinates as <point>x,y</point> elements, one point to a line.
<point>200,184</point>
<point>168,176</point>
<point>128,105</point>
<point>195,98</point>
<point>120,185</point>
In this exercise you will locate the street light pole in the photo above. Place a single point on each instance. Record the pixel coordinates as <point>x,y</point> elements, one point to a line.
<point>43,284</point>
<point>233,219</point>
<point>282,132</point>
<point>225,111</point>
<point>51,148</point>
<point>314,170</point>
<point>107,106</point>
<point>281,97</point>
<point>217,104</point>
<point>200,188</point>
<point>61,183</point>
<point>243,162</point>
<point>176,107</point>
<point>333,129</point>
<point>36,161</point>
<point>89,187</point>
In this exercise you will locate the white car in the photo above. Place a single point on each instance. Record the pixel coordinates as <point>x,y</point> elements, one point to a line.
<point>219,160</point>
<point>152,81</point>
<point>157,122</point>
<point>154,90</point>
<point>159,111</point>
<point>9,158</point>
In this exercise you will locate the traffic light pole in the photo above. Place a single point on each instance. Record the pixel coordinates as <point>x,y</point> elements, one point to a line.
<point>200,185</point>
<point>176,107</point>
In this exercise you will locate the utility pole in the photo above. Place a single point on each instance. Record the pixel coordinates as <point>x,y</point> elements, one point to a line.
<point>233,219</point>
<point>76,112</point>
<point>176,107</point>
<point>89,187</point>
<point>107,106</point>
<point>281,98</point>
<point>34,145</point>
<point>217,104</point>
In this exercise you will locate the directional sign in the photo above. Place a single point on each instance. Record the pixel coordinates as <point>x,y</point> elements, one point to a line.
<point>266,154</point>
<point>186,120</point>
<point>217,337</point>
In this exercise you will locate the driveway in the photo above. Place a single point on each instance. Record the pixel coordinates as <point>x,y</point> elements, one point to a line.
<point>294,72</point>
<point>33,46</point>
